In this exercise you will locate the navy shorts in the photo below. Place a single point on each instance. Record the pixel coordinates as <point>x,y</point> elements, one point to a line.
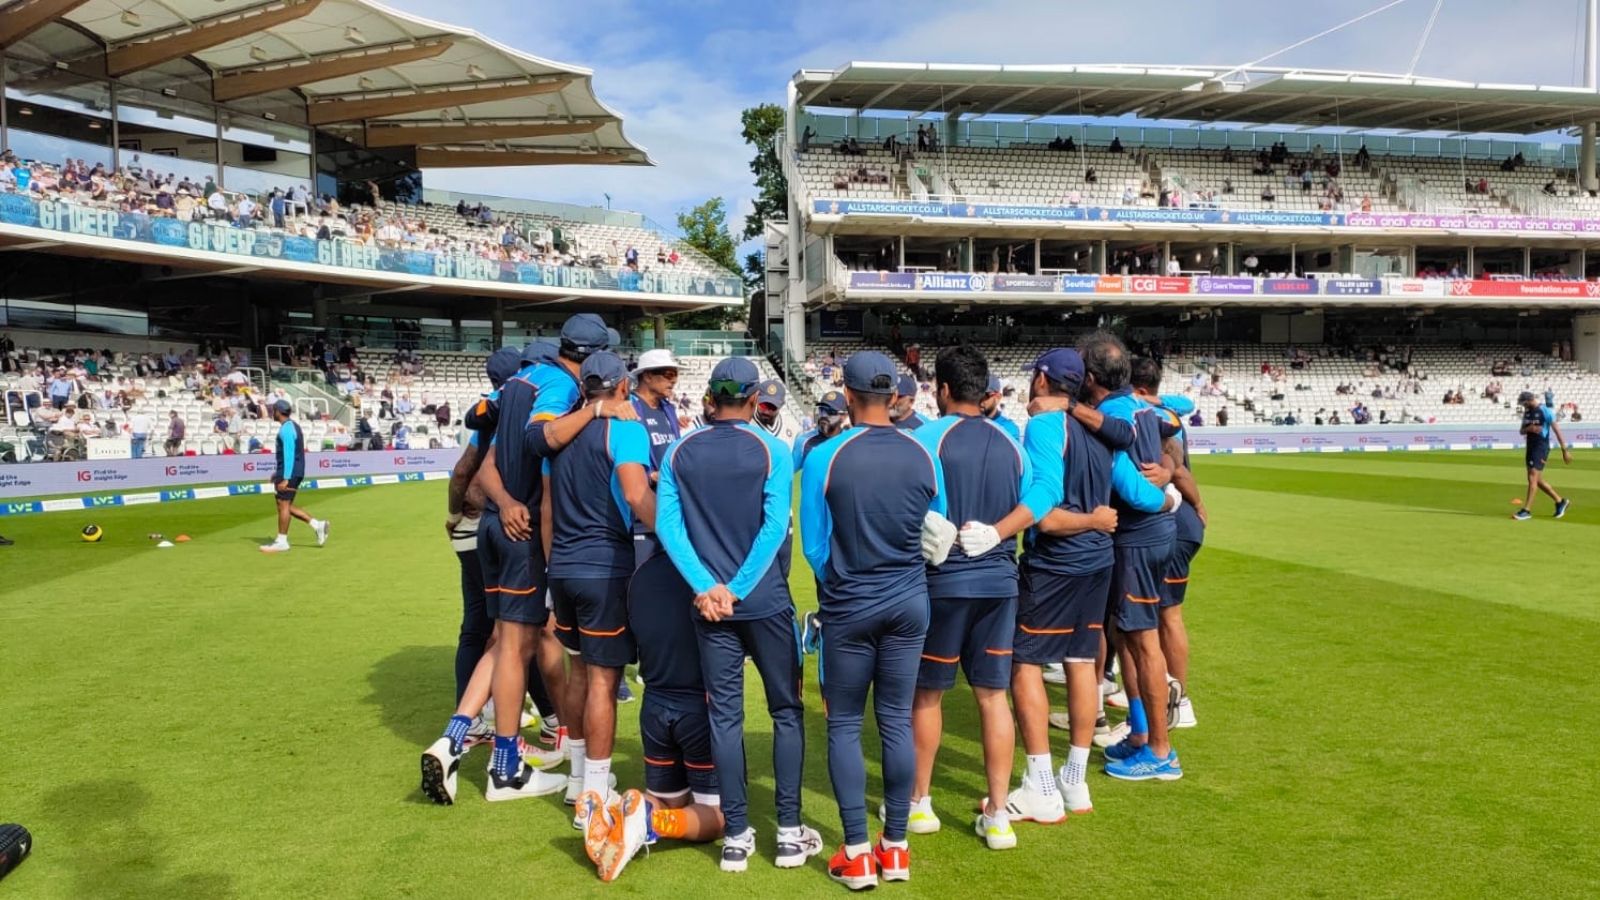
<point>1536,456</point>
<point>675,731</point>
<point>1136,586</point>
<point>1060,616</point>
<point>592,619</point>
<point>513,575</point>
<point>1175,579</point>
<point>977,634</point>
<point>288,487</point>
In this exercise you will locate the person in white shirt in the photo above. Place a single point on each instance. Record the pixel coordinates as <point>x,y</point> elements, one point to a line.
<point>1174,269</point>
<point>139,426</point>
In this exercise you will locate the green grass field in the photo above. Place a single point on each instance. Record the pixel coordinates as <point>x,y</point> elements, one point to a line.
<point>1392,680</point>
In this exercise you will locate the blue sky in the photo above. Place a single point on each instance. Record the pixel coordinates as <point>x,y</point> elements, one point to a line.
<point>680,72</point>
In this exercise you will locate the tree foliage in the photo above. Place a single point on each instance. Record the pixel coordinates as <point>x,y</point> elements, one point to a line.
<point>705,228</point>
<point>761,126</point>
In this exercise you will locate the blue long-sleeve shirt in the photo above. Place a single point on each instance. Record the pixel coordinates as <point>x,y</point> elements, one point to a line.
<point>1008,426</point>
<point>984,473</point>
<point>722,513</point>
<point>1140,521</point>
<point>593,523</point>
<point>528,399</point>
<point>863,497</point>
<point>1071,470</point>
<point>804,444</point>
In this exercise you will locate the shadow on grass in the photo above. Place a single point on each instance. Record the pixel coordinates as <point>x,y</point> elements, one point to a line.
<point>413,689</point>
<point>111,853</point>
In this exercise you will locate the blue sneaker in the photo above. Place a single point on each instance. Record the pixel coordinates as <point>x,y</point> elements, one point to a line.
<point>1123,749</point>
<point>1561,508</point>
<point>624,695</point>
<point>810,634</point>
<point>1146,766</point>
<point>1522,515</point>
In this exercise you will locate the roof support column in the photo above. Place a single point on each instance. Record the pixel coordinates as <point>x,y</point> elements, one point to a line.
<point>1586,173</point>
<point>497,323</point>
<point>794,306</point>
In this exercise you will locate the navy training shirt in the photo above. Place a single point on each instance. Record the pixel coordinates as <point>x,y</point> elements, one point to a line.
<point>911,422</point>
<point>291,452</point>
<point>804,444</point>
<point>592,523</point>
<point>723,513</point>
<point>984,474</point>
<point>537,394</point>
<point>1071,470</point>
<point>863,496</point>
<point>1187,521</point>
<point>1140,521</point>
<point>662,426</point>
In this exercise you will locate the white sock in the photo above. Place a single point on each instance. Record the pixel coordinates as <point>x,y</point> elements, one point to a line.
<point>999,818</point>
<point>575,750</point>
<point>488,711</point>
<point>901,844</point>
<point>854,850</point>
<point>1102,714</point>
<point>282,541</point>
<point>315,524</point>
<point>1041,772</point>
<point>597,775</point>
<point>1077,765</point>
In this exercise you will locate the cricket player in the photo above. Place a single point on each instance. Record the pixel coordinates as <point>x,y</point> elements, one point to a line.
<point>832,416</point>
<point>599,485</point>
<point>973,599</point>
<point>871,515</point>
<point>724,516</point>
<point>287,474</point>
<point>994,408</point>
<point>903,413</point>
<point>1538,424</point>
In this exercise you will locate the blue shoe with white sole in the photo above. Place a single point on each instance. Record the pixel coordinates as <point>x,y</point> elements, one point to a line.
<point>1146,766</point>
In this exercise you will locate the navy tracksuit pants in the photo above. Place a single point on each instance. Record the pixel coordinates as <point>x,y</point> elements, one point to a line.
<point>883,652</point>
<point>773,643</point>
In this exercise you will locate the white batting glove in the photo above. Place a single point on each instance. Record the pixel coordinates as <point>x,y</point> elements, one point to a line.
<point>978,538</point>
<point>1177,498</point>
<point>938,535</point>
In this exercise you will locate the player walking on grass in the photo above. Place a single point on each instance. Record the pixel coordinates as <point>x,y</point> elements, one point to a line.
<point>725,495</point>
<point>1065,575</point>
<point>286,478</point>
<point>973,600</point>
<point>1538,424</point>
<point>1191,521</point>
<point>871,516</point>
<point>599,486</point>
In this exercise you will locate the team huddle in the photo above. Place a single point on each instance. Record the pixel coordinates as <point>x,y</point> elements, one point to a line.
<point>594,535</point>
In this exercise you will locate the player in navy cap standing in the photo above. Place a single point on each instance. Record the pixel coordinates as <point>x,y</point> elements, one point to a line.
<point>832,416</point>
<point>724,513</point>
<point>769,406</point>
<point>993,407</point>
<point>599,486</point>
<point>871,517</point>
<point>903,411</point>
<point>286,477</point>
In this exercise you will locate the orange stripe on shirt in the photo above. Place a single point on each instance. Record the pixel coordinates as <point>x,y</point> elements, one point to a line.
<point>1175,580</point>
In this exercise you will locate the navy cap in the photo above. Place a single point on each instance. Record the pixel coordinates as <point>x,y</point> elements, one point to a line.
<point>540,350</point>
<point>1062,367</point>
<point>773,393</point>
<point>503,364</point>
<point>283,406</point>
<point>831,404</point>
<point>736,370</point>
<point>906,386</point>
<point>866,367</point>
<point>585,333</point>
<point>1525,396</point>
<point>994,385</point>
<point>613,338</point>
<point>603,370</point>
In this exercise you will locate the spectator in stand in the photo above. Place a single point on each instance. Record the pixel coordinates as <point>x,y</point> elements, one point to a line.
<point>1129,197</point>
<point>404,406</point>
<point>1222,417</point>
<point>139,426</point>
<point>1197,420</point>
<point>1174,268</point>
<point>176,431</point>
<point>1116,145</point>
<point>441,415</point>
<point>60,388</point>
<point>402,436</point>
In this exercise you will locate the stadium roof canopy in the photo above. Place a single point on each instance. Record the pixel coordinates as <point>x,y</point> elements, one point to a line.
<point>1255,95</point>
<point>378,77</point>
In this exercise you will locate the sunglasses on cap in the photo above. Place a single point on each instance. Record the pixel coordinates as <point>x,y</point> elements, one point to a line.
<point>727,387</point>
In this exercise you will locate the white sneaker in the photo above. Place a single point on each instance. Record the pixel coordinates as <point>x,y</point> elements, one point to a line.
<point>1029,804</point>
<point>528,782</point>
<point>1117,699</point>
<point>796,845</point>
<point>923,820</point>
<point>736,851</point>
<point>1055,673</point>
<point>1115,736</point>
<point>1076,796</point>
<point>624,843</point>
<point>998,835</point>
<point>540,758</point>
<point>439,767</point>
<point>321,529</point>
<point>1061,721</point>
<point>275,547</point>
<point>479,732</point>
<point>1186,717</point>
<point>575,785</point>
